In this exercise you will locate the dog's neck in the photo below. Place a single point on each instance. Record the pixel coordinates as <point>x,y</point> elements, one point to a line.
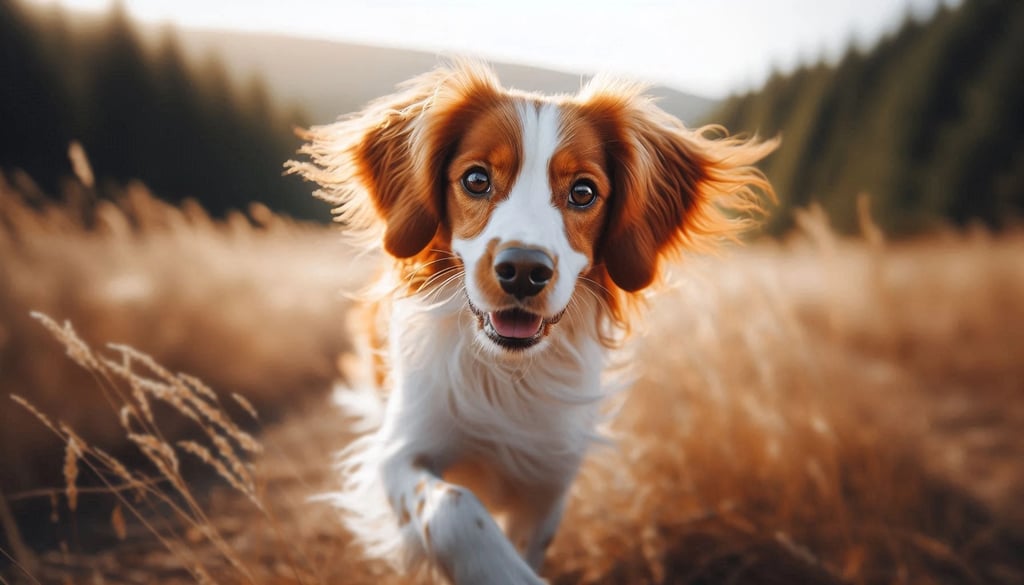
<point>546,400</point>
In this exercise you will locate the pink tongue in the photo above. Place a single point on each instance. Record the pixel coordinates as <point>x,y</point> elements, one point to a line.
<point>515,324</point>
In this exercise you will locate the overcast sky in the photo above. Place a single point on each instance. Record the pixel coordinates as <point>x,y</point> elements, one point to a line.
<point>710,47</point>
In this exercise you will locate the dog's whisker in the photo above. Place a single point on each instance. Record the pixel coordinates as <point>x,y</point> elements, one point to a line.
<point>444,258</point>
<point>592,294</point>
<point>575,310</point>
<point>435,277</point>
<point>601,299</point>
<point>440,287</point>
<point>593,283</point>
<point>446,253</point>
<point>417,271</point>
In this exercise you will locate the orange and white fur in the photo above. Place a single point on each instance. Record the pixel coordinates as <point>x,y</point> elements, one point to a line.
<point>521,228</point>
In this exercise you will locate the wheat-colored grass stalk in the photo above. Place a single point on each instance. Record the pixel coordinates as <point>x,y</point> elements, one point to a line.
<point>193,400</point>
<point>246,405</point>
<point>72,453</point>
<point>242,484</point>
<point>21,556</point>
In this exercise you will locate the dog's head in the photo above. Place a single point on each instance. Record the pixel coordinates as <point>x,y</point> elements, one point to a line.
<point>534,198</point>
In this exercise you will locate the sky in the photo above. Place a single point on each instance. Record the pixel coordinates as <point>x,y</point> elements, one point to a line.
<point>708,47</point>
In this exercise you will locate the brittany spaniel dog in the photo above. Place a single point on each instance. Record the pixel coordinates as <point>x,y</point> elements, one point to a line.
<point>521,228</point>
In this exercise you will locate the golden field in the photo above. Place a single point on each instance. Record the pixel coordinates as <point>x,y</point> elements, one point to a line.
<point>816,410</point>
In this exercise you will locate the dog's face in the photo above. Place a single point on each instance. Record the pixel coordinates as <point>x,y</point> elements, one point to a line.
<point>526,199</point>
<point>534,197</point>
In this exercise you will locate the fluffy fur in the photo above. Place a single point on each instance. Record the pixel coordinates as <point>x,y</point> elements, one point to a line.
<point>521,227</point>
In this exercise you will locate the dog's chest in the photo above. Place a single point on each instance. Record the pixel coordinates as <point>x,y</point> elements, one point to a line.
<point>518,418</point>
<point>526,420</point>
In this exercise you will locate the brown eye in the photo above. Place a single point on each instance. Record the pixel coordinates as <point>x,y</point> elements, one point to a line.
<point>583,194</point>
<point>476,182</point>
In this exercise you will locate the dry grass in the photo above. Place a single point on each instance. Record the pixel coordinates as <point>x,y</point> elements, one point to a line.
<point>817,411</point>
<point>249,304</point>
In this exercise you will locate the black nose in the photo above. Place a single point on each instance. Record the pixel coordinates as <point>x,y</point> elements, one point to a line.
<point>523,272</point>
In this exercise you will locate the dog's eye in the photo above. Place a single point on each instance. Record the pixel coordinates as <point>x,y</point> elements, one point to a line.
<point>583,194</point>
<point>476,182</point>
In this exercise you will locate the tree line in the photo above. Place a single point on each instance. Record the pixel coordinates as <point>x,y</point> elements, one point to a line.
<point>929,123</point>
<point>141,112</point>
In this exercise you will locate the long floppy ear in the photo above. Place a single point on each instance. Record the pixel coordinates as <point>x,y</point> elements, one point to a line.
<point>384,166</point>
<point>673,188</point>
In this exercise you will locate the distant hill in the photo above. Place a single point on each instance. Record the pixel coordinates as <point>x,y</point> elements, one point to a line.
<point>327,79</point>
<point>929,123</point>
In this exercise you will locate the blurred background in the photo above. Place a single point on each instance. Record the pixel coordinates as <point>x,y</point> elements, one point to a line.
<point>916,103</point>
<point>861,361</point>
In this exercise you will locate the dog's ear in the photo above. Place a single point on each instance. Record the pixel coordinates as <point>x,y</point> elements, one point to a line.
<point>384,166</point>
<point>673,188</point>
<point>384,154</point>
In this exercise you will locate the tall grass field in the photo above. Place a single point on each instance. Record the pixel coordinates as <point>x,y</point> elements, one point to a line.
<point>817,409</point>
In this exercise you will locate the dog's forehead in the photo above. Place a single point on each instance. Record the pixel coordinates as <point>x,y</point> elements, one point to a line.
<point>494,129</point>
<point>506,128</point>
<point>580,142</point>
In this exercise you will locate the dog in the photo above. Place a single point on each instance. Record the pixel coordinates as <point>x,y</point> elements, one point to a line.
<point>522,230</point>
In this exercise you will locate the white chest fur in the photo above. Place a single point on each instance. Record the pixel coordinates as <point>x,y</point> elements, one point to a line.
<point>529,418</point>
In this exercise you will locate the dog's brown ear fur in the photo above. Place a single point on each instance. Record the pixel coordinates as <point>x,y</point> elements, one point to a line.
<point>673,188</point>
<point>384,166</point>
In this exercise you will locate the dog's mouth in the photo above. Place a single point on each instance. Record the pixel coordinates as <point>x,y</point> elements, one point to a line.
<point>514,328</point>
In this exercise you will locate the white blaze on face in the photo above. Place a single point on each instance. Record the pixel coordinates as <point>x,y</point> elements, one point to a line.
<point>528,215</point>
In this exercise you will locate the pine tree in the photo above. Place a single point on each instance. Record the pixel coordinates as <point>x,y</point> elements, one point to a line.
<point>33,105</point>
<point>928,123</point>
<point>121,132</point>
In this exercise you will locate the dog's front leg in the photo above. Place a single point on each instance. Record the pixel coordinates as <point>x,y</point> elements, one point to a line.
<point>450,525</point>
<point>534,516</point>
<point>533,530</point>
